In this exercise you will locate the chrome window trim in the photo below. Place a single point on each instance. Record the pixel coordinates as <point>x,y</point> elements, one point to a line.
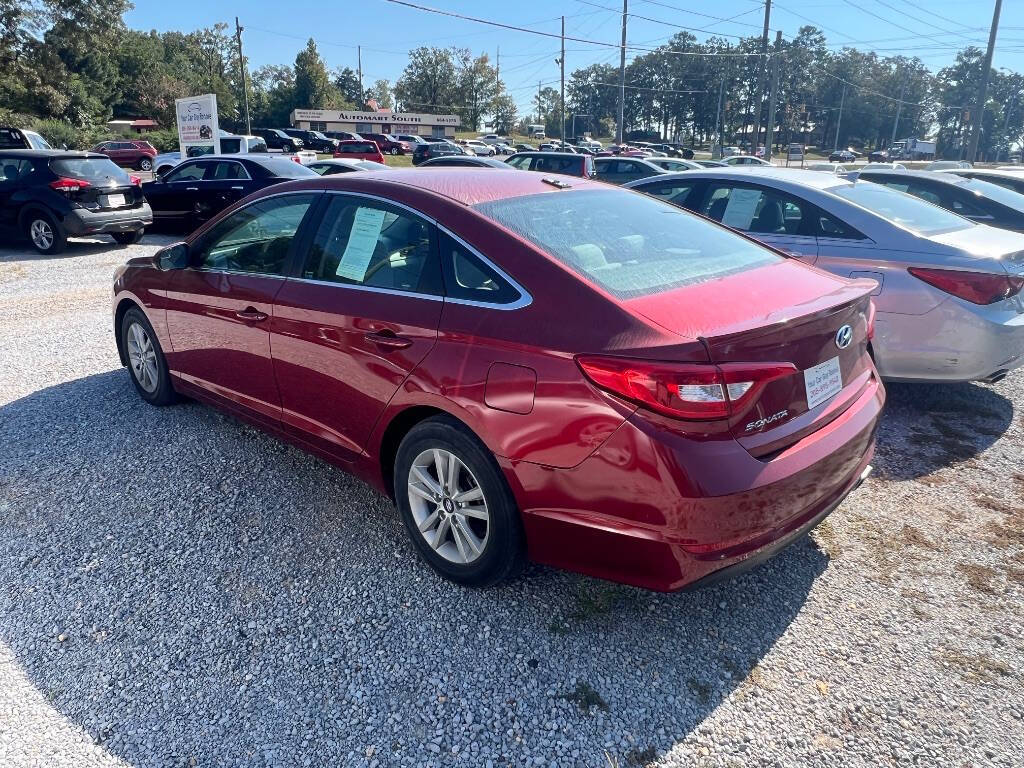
<point>524,300</point>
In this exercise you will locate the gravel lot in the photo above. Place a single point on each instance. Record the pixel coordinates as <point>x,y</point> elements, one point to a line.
<point>178,589</point>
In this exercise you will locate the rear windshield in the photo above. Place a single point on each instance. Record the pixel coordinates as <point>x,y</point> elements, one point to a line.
<point>280,166</point>
<point>902,209</point>
<point>629,244</point>
<point>1002,195</point>
<point>98,170</point>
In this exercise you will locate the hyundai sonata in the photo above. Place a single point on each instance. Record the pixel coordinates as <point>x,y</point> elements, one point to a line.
<point>529,365</point>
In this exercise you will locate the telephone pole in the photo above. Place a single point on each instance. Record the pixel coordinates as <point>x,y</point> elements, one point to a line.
<point>839,122</point>
<point>241,66</point>
<point>762,76</point>
<point>622,75</point>
<point>979,110</point>
<point>899,108</point>
<point>772,98</point>
<point>359,63</point>
<point>561,105</point>
<point>497,67</point>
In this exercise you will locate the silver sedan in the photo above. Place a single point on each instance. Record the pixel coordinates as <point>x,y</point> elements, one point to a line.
<point>949,297</point>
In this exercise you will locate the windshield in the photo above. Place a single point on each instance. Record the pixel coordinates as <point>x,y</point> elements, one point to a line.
<point>37,141</point>
<point>99,171</point>
<point>629,244</point>
<point>318,135</point>
<point>995,192</point>
<point>904,210</point>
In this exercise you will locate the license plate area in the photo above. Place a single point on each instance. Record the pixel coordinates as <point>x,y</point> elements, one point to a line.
<point>822,382</point>
<point>112,201</point>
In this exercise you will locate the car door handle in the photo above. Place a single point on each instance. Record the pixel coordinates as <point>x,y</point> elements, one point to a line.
<point>252,315</point>
<point>191,189</point>
<point>388,340</point>
<point>238,187</point>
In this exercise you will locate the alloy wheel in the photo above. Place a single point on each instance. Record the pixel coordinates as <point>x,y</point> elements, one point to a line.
<point>41,233</point>
<point>142,357</point>
<point>448,506</point>
<point>146,165</point>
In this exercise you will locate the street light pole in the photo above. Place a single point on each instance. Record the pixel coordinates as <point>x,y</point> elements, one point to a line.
<point>839,121</point>
<point>622,75</point>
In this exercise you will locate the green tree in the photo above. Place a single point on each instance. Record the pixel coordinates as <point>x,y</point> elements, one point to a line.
<point>475,88</point>
<point>346,82</point>
<point>505,117</point>
<point>429,81</point>
<point>313,89</point>
<point>381,91</point>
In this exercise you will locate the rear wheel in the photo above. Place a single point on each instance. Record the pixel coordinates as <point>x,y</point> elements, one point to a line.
<point>146,363</point>
<point>456,505</point>
<point>394,150</point>
<point>46,234</point>
<point>145,164</point>
<point>128,238</point>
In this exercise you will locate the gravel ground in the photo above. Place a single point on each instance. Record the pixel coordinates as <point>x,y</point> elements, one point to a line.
<point>178,589</point>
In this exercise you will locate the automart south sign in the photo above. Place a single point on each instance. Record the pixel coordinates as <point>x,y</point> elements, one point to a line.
<point>394,118</point>
<point>197,124</point>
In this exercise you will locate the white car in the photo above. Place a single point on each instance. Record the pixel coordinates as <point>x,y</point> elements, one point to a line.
<point>479,148</point>
<point>491,138</point>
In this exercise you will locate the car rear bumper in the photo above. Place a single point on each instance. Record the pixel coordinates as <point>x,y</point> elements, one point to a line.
<point>664,511</point>
<point>953,342</point>
<point>80,221</point>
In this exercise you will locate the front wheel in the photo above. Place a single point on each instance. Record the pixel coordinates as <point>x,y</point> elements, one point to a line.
<point>146,363</point>
<point>456,505</point>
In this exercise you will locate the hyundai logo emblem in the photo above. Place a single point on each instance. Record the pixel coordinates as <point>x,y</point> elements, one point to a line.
<point>844,336</point>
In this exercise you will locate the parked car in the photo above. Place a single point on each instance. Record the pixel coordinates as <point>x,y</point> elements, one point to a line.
<point>674,165</point>
<point>501,148</point>
<point>359,150</point>
<point>524,148</point>
<point>827,167</point>
<point>389,145</point>
<point>50,194</point>
<point>975,199</point>
<point>880,156</point>
<point>948,290</point>
<point>619,170</point>
<point>730,151</point>
<point>587,375</point>
<point>128,154</point>
<point>744,160</point>
<point>278,139</point>
<point>333,166</point>
<point>313,140</point>
<point>491,138</point>
<point>343,135</point>
<point>465,161</point>
<point>843,156</point>
<point>553,162</point>
<point>411,139</point>
<point>479,148</point>
<point>947,165</point>
<point>198,189</point>
<point>711,164</point>
<point>21,138</point>
<point>431,149</point>
<point>230,144</point>
<point>1010,179</point>
<point>684,152</point>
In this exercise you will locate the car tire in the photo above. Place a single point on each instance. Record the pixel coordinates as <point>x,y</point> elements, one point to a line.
<point>145,164</point>
<point>128,238</point>
<point>147,366</point>
<point>478,546</point>
<point>394,150</point>
<point>46,235</point>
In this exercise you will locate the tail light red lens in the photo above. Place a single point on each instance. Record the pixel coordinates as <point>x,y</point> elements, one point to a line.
<point>975,287</point>
<point>68,185</point>
<point>136,181</point>
<point>692,391</point>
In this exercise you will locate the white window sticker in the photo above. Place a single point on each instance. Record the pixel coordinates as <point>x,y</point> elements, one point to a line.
<point>739,211</point>
<point>362,241</point>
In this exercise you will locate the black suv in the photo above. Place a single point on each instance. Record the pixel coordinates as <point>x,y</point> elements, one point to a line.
<point>441,148</point>
<point>278,139</point>
<point>314,140</point>
<point>50,194</point>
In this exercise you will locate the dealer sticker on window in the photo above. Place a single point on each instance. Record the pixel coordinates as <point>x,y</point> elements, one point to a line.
<point>823,381</point>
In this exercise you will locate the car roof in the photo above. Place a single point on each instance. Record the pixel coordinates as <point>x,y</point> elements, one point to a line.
<point>58,153</point>
<point>532,153</point>
<point>942,178</point>
<point>785,177</point>
<point>1009,173</point>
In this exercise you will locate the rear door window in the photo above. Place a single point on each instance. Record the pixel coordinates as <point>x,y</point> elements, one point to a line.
<point>230,171</point>
<point>522,162</point>
<point>187,172</point>
<point>468,278</point>
<point>675,192</point>
<point>754,209</point>
<point>13,170</point>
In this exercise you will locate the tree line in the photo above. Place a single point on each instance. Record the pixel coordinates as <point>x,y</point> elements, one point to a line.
<point>68,66</point>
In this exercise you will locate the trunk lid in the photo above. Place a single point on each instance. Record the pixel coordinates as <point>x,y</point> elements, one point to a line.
<point>984,242</point>
<point>102,185</point>
<point>782,313</point>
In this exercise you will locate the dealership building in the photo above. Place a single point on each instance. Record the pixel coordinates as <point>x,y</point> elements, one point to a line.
<point>375,122</point>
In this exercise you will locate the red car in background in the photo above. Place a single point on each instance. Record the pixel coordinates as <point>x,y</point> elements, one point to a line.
<point>529,365</point>
<point>389,144</point>
<point>128,154</point>
<point>359,150</point>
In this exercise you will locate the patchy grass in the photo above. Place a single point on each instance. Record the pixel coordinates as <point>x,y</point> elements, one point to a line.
<point>980,577</point>
<point>975,667</point>
<point>827,539</point>
<point>998,505</point>
<point>914,537</point>
<point>585,697</point>
<point>590,601</point>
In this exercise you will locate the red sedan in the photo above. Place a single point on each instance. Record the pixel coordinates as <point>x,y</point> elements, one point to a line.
<point>530,366</point>
<point>359,150</point>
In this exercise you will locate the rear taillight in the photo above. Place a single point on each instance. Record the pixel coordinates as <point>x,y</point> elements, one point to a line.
<point>68,185</point>
<point>975,287</point>
<point>136,181</point>
<point>296,159</point>
<point>695,392</point>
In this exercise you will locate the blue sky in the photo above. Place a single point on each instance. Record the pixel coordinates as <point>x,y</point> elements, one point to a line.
<point>275,30</point>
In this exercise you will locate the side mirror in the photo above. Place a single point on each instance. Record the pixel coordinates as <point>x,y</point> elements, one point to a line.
<point>172,257</point>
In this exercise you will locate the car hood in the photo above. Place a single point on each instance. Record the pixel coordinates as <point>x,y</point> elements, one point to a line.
<point>982,241</point>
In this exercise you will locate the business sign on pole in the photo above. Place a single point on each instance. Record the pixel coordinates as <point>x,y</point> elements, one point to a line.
<point>198,131</point>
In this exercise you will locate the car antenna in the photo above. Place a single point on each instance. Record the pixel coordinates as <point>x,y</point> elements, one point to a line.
<point>557,183</point>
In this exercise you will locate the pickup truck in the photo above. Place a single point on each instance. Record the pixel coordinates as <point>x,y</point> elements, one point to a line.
<point>231,144</point>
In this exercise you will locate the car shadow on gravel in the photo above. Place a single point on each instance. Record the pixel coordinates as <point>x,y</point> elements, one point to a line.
<point>188,590</point>
<point>22,250</point>
<point>928,427</point>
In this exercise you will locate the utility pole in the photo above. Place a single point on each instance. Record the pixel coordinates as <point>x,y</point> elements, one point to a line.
<point>359,60</point>
<point>899,108</point>
<point>762,76</point>
<point>842,102</point>
<point>979,110</point>
<point>497,67</point>
<point>772,98</point>
<point>241,66</point>
<point>561,105</point>
<point>622,75</point>
<point>540,117</point>
<point>718,119</point>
